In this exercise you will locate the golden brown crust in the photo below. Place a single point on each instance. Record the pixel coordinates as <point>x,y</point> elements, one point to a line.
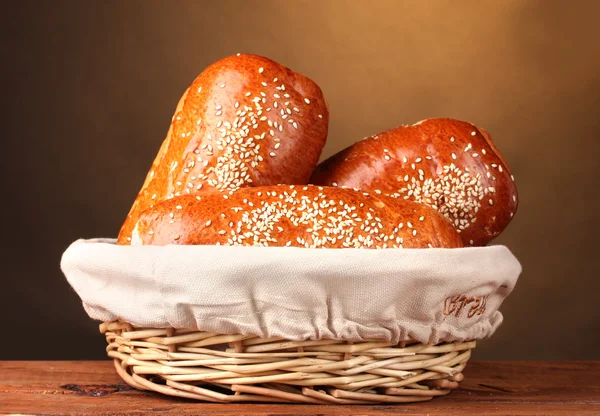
<point>298,216</point>
<point>448,164</point>
<point>244,121</point>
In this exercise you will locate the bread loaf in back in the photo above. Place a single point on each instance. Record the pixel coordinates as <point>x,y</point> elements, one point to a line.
<point>450,165</point>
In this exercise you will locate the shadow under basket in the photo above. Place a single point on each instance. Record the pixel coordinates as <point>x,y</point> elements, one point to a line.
<point>240,368</point>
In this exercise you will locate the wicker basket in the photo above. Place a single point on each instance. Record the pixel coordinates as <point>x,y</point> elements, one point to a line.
<point>237,368</point>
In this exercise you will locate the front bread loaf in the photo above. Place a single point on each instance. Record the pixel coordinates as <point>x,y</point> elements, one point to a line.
<point>447,164</point>
<point>244,121</point>
<point>298,216</point>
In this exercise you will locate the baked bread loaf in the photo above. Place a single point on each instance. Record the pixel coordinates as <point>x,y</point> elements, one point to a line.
<point>447,164</point>
<point>244,121</point>
<point>298,216</point>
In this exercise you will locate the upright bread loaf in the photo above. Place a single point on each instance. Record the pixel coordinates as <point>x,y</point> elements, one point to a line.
<point>447,164</point>
<point>298,216</point>
<point>244,121</point>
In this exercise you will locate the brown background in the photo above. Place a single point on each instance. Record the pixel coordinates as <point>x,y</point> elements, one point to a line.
<point>89,88</point>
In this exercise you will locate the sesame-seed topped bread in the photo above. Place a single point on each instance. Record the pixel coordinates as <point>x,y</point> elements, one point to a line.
<point>298,216</point>
<point>244,121</point>
<point>447,164</point>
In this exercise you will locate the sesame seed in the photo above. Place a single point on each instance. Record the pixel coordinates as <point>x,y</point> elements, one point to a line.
<point>491,202</point>
<point>483,151</point>
<point>307,101</point>
<point>319,115</point>
<point>471,242</point>
<point>386,157</point>
<point>272,154</point>
<point>473,133</point>
<point>264,84</point>
<point>514,198</point>
<point>454,156</point>
<point>177,237</point>
<point>261,70</point>
<point>222,85</point>
<point>452,139</point>
<point>414,232</point>
<point>417,160</point>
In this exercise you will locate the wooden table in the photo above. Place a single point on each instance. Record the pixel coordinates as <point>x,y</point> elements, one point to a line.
<point>490,388</point>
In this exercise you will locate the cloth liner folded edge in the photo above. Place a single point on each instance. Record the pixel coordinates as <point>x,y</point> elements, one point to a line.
<point>428,295</point>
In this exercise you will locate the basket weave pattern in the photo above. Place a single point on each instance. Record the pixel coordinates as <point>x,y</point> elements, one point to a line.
<point>240,368</point>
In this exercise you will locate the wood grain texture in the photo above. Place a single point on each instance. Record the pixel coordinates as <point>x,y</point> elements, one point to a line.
<point>492,388</point>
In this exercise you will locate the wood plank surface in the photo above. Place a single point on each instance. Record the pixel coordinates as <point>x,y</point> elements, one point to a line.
<point>491,388</point>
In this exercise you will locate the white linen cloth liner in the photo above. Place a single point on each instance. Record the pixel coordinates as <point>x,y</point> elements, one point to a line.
<point>296,293</point>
